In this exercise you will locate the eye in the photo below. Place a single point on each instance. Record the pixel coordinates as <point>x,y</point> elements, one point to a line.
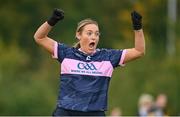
<point>89,33</point>
<point>97,34</point>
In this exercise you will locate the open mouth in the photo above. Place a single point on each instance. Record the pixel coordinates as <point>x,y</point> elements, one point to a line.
<point>91,45</point>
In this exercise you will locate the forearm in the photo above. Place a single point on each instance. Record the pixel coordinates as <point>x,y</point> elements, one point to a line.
<point>139,48</point>
<point>42,31</point>
<point>139,41</point>
<point>41,35</point>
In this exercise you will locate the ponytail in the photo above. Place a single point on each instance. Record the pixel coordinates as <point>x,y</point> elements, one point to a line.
<point>77,45</point>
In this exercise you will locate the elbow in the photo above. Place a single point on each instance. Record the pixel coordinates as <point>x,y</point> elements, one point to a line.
<point>37,39</point>
<point>141,53</point>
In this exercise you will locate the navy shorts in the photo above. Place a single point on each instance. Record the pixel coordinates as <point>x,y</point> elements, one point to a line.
<point>64,112</point>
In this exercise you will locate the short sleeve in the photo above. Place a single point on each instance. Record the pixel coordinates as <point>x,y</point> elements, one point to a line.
<point>59,51</point>
<point>117,57</point>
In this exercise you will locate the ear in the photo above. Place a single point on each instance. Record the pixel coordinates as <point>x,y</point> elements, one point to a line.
<point>78,35</point>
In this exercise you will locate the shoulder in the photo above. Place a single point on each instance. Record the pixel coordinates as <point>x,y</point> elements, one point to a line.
<point>64,50</point>
<point>110,51</point>
<point>102,54</point>
<point>64,47</point>
<point>104,50</point>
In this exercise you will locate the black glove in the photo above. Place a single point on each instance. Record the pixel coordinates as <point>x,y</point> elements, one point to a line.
<point>136,20</point>
<point>57,15</point>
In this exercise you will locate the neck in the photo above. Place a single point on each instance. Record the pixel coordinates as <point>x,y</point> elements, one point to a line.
<point>86,52</point>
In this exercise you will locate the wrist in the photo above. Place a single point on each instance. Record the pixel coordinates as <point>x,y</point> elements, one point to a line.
<point>52,21</point>
<point>138,30</point>
<point>137,26</point>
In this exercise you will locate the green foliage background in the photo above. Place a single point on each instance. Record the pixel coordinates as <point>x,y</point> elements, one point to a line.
<point>29,77</point>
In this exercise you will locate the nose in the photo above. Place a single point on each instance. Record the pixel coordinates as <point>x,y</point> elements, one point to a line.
<point>94,36</point>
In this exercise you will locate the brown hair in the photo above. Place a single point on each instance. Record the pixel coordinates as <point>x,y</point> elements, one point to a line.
<point>80,27</point>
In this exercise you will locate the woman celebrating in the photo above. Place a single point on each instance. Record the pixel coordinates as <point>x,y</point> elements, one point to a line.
<point>85,70</point>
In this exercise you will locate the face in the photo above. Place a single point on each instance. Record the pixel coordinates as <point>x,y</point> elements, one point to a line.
<point>89,38</point>
<point>161,101</point>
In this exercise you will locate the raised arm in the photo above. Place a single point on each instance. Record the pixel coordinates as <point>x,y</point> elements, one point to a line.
<point>139,48</point>
<point>41,35</point>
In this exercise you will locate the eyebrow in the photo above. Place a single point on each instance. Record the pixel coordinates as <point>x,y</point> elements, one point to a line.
<point>91,30</point>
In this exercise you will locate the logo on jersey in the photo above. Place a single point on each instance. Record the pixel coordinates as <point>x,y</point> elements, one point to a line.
<point>88,58</point>
<point>86,66</point>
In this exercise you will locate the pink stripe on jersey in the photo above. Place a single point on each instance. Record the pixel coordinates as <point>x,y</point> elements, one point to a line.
<point>71,66</point>
<point>55,54</point>
<point>122,58</point>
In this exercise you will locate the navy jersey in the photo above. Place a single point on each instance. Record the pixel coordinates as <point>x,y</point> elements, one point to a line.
<point>85,78</point>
